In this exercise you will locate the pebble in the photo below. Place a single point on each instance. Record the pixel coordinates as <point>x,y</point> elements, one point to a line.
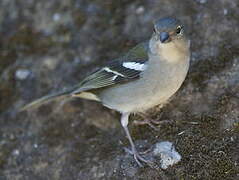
<point>22,74</point>
<point>56,17</point>
<point>16,152</point>
<point>169,156</point>
<point>202,1</point>
<point>35,145</point>
<point>140,10</point>
<point>225,11</point>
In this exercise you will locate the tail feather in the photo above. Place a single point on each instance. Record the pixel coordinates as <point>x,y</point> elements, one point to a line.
<point>47,98</point>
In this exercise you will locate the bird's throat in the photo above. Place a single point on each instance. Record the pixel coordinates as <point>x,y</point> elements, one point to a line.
<point>173,52</point>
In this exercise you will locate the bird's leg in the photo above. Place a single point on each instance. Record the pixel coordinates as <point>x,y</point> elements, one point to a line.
<point>151,122</point>
<point>134,152</point>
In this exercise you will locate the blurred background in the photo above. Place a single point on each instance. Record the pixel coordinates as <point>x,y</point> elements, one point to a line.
<point>48,45</point>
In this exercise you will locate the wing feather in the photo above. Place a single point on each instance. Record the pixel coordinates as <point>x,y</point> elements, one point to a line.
<point>115,72</point>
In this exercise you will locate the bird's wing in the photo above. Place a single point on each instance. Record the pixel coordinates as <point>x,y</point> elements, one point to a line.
<point>122,70</point>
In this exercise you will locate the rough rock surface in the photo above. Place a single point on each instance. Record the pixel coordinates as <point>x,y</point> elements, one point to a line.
<point>48,45</point>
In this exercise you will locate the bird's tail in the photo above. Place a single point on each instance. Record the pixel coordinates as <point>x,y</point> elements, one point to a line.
<point>48,98</point>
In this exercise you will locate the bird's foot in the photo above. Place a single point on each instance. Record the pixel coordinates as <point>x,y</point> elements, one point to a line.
<point>138,158</point>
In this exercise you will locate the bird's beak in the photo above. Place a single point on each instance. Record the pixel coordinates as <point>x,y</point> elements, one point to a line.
<point>164,37</point>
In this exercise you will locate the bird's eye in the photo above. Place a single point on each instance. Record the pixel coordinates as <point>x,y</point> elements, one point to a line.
<point>179,30</point>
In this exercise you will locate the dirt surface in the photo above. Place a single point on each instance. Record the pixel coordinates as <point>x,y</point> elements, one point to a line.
<point>48,45</point>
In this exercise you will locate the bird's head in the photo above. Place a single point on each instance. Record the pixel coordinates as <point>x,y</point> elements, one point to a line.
<point>167,32</point>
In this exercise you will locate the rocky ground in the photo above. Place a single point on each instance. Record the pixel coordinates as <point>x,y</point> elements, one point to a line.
<point>48,45</point>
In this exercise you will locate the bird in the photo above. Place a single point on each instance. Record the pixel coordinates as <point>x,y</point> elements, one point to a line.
<point>146,76</point>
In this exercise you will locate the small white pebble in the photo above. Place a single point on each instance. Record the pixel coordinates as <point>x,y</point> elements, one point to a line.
<point>22,74</point>
<point>225,11</point>
<point>169,156</point>
<point>56,17</point>
<point>35,145</point>
<point>16,152</point>
<point>140,10</point>
<point>202,1</point>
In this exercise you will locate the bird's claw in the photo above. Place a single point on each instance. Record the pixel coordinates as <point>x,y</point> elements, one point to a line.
<point>138,158</point>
